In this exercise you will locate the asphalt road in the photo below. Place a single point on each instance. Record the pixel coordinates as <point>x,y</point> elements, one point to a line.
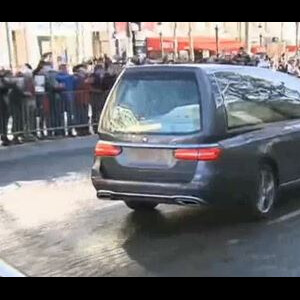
<point>51,224</point>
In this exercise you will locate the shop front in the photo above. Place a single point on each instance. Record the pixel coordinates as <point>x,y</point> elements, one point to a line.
<point>206,45</point>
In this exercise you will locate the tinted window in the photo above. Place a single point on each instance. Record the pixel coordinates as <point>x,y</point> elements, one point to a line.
<point>153,102</point>
<point>258,96</point>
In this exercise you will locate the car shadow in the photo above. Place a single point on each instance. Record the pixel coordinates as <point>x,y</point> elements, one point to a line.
<point>187,242</point>
<point>169,244</point>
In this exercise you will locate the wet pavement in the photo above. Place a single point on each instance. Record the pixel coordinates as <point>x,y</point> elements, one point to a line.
<point>51,224</point>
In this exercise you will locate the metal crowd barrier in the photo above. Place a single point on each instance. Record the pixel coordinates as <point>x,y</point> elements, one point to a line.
<point>52,113</point>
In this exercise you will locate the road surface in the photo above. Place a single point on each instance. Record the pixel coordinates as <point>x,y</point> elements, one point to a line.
<point>52,224</point>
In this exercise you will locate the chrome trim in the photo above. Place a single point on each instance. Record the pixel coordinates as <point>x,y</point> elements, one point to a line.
<point>295,181</point>
<point>177,198</point>
<point>160,146</point>
<point>188,202</point>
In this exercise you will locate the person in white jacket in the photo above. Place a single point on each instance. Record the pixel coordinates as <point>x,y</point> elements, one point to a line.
<point>264,62</point>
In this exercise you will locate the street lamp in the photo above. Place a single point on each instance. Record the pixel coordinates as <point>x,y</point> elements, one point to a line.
<point>217,28</point>
<point>260,34</point>
<point>159,26</point>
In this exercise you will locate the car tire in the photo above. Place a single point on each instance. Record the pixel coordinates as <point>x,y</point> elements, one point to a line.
<point>265,195</point>
<point>141,205</point>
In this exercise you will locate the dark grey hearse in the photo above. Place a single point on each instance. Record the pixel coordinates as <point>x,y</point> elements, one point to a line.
<point>199,134</point>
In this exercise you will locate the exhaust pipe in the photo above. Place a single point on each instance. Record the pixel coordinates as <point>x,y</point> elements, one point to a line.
<point>178,199</point>
<point>188,202</point>
<point>103,194</point>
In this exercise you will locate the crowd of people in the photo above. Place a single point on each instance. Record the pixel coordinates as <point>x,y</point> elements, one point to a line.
<point>46,101</point>
<point>283,63</point>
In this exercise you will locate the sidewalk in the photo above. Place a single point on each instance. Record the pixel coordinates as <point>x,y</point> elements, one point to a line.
<point>41,148</point>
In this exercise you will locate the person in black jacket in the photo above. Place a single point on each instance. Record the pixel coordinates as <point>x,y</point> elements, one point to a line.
<point>4,107</point>
<point>16,101</point>
<point>242,58</point>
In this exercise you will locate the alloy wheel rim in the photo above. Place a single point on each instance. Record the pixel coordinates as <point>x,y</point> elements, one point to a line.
<point>266,192</point>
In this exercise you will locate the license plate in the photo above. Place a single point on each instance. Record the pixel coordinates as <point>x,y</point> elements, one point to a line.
<point>149,157</point>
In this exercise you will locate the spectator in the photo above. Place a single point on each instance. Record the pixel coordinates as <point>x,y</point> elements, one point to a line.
<point>242,57</point>
<point>29,102</point>
<point>37,99</point>
<point>264,62</point>
<point>67,82</point>
<point>274,65</point>
<point>42,101</point>
<point>17,108</point>
<point>124,57</point>
<point>283,58</point>
<point>42,63</point>
<point>4,107</point>
<point>53,89</point>
<point>107,62</point>
<point>282,66</point>
<point>292,68</point>
<point>82,98</point>
<point>97,94</point>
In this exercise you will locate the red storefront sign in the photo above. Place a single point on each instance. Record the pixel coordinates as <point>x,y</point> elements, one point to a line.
<point>154,44</point>
<point>292,48</point>
<point>258,49</point>
<point>200,43</point>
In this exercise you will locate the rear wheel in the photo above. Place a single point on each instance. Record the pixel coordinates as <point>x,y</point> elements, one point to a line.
<point>266,192</point>
<point>140,205</point>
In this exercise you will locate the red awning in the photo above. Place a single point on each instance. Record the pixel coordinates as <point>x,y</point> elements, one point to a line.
<point>200,43</point>
<point>153,44</point>
<point>258,49</point>
<point>231,45</point>
<point>292,48</point>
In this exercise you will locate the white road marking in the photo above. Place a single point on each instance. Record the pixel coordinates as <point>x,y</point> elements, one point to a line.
<point>8,271</point>
<point>285,217</point>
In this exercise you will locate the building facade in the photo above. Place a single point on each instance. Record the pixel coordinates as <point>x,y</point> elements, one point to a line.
<point>73,42</point>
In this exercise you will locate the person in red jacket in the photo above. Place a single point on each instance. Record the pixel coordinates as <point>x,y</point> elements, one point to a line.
<point>82,99</point>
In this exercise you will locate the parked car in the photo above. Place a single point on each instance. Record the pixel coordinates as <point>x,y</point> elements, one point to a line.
<point>199,135</point>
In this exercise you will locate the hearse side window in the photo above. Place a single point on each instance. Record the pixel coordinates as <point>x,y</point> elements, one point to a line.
<point>259,96</point>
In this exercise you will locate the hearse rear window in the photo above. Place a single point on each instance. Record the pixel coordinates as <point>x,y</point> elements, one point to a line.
<point>153,102</point>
